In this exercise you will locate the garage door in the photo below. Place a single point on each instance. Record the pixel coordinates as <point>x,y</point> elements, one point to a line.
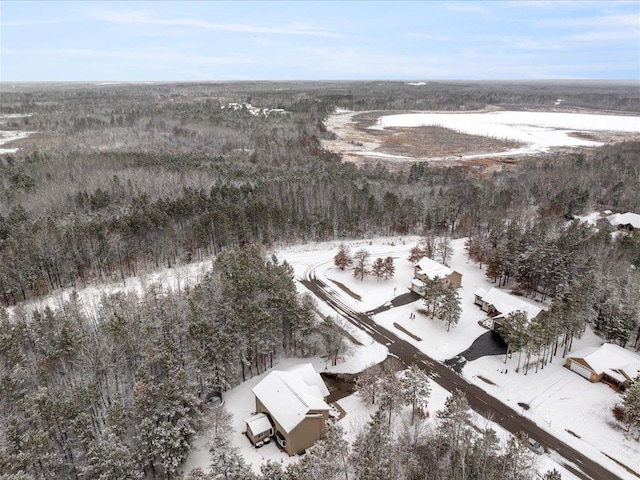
<point>581,370</point>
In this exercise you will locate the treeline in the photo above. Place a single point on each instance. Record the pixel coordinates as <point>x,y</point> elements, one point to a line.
<point>118,392</point>
<point>119,230</point>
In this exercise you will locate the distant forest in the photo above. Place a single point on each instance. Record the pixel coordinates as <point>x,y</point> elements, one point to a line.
<point>120,180</point>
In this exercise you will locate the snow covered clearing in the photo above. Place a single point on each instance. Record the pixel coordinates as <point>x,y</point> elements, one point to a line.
<point>175,279</point>
<point>7,136</point>
<point>540,131</point>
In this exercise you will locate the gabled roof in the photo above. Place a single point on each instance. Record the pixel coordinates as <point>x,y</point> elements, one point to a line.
<point>258,423</point>
<point>308,375</point>
<point>289,398</point>
<point>505,303</point>
<point>611,359</point>
<point>433,269</point>
<point>628,218</point>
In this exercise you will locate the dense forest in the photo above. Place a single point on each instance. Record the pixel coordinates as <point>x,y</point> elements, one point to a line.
<point>115,181</point>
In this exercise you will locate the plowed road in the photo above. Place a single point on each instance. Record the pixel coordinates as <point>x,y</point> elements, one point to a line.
<point>486,405</point>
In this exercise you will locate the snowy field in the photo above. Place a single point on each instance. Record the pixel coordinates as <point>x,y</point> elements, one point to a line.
<point>7,136</point>
<point>539,131</point>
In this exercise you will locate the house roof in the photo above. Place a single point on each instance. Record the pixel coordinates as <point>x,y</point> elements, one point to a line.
<point>258,423</point>
<point>308,374</point>
<point>433,269</point>
<point>480,292</point>
<point>505,303</point>
<point>610,359</point>
<point>290,395</point>
<point>628,218</point>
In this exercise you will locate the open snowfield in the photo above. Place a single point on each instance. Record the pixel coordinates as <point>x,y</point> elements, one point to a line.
<point>478,138</point>
<point>540,131</point>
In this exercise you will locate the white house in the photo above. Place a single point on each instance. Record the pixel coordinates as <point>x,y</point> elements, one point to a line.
<point>629,221</point>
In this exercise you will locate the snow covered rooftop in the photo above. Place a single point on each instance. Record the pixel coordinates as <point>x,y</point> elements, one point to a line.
<point>308,375</point>
<point>505,303</point>
<point>258,423</point>
<point>433,269</point>
<point>289,397</point>
<point>628,218</point>
<point>609,359</point>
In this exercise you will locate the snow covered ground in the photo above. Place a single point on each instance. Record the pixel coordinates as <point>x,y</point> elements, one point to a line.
<point>7,136</point>
<point>174,279</point>
<point>563,403</point>
<point>559,399</point>
<point>539,131</point>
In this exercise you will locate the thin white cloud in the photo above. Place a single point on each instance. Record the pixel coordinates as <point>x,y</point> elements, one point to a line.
<point>608,36</point>
<point>163,56</point>
<point>141,18</point>
<point>563,4</point>
<point>467,8</point>
<point>512,42</point>
<point>349,63</point>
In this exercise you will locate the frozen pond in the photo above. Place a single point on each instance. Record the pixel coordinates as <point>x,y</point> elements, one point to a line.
<point>539,131</point>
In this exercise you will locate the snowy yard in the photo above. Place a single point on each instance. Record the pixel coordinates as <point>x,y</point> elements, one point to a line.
<point>561,401</point>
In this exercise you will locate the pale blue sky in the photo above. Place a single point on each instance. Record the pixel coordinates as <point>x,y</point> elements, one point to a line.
<point>165,41</point>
